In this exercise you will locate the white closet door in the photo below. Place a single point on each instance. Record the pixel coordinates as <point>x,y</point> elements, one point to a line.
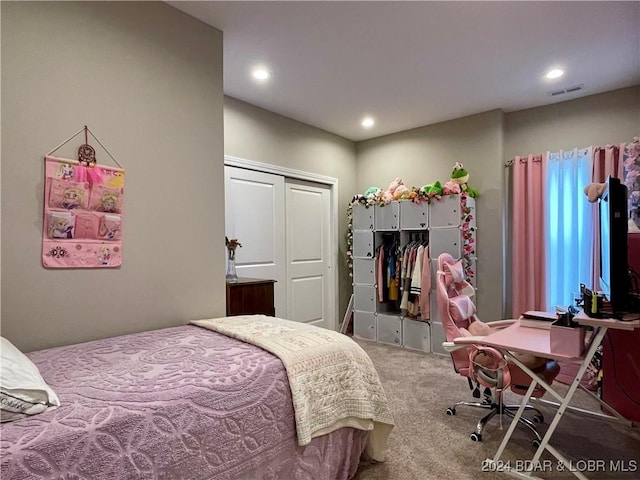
<point>254,213</point>
<point>310,296</point>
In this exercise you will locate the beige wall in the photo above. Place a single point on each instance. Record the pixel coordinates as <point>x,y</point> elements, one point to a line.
<point>606,118</point>
<point>147,80</point>
<point>424,155</point>
<point>252,133</point>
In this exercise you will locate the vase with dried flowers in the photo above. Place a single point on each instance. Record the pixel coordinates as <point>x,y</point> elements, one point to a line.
<point>231,245</point>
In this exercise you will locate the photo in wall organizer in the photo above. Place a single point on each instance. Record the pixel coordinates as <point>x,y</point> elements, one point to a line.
<point>83,215</point>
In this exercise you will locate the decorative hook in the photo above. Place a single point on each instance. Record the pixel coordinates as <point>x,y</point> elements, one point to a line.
<point>86,153</point>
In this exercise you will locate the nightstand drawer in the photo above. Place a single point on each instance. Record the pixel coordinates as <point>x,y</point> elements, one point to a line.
<point>250,296</point>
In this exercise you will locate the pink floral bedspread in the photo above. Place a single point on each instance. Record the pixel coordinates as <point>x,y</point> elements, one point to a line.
<point>177,403</point>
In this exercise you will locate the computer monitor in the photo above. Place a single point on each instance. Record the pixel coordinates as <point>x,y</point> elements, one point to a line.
<point>614,268</point>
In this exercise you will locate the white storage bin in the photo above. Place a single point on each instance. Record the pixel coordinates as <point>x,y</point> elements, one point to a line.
<point>445,212</point>
<point>387,217</point>
<point>434,275</point>
<point>414,216</point>
<point>445,240</point>
<point>363,217</point>
<point>437,337</point>
<point>416,335</point>
<point>363,245</point>
<point>364,325</point>
<point>364,271</point>
<point>389,329</point>
<point>364,298</point>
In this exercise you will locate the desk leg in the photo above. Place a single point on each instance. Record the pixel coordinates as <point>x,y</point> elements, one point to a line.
<point>616,415</point>
<point>567,399</point>
<point>514,422</point>
<point>556,419</point>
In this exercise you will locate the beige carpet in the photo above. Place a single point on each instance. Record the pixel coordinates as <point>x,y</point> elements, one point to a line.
<point>428,444</point>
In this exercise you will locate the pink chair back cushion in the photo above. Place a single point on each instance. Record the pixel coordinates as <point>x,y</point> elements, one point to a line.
<point>461,308</point>
<point>456,270</point>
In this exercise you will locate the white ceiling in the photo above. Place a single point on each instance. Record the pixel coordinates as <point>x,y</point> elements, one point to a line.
<point>410,64</point>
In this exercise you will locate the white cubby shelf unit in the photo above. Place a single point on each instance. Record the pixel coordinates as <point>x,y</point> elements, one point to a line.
<point>447,224</point>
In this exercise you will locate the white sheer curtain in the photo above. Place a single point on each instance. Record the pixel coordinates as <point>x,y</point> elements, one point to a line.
<point>568,220</point>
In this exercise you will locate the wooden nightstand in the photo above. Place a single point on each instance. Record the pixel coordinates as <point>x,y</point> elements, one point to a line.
<point>249,296</point>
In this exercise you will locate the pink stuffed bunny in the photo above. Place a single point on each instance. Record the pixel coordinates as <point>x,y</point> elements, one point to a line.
<point>388,194</point>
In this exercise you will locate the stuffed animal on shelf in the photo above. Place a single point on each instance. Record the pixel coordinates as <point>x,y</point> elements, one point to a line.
<point>594,191</point>
<point>372,196</point>
<point>372,191</point>
<point>401,192</point>
<point>388,193</point>
<point>432,189</point>
<point>461,177</point>
<point>451,188</point>
<point>412,194</point>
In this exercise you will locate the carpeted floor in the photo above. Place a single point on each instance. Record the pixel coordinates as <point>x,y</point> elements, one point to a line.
<point>428,444</point>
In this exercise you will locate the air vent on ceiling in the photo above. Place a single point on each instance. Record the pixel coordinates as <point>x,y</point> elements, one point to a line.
<point>575,88</point>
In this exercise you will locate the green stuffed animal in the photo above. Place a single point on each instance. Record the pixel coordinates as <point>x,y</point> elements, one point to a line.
<point>461,177</point>
<point>432,189</point>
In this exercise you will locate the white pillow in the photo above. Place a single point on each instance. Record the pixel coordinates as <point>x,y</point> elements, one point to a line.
<point>23,391</point>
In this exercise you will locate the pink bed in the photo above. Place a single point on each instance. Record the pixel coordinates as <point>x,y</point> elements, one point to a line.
<point>181,402</point>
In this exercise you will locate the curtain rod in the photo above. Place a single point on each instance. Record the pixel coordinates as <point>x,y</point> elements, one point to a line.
<point>509,163</point>
<point>536,158</point>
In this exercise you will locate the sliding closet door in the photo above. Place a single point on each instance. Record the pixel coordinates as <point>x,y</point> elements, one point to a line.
<point>254,214</point>
<point>308,245</point>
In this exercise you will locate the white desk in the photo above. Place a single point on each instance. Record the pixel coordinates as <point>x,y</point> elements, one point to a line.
<point>536,341</point>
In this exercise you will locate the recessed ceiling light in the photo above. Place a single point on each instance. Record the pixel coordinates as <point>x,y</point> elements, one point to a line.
<point>368,122</point>
<point>555,73</point>
<point>261,74</point>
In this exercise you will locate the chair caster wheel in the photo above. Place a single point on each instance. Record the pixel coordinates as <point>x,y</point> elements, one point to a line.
<point>535,442</point>
<point>476,437</point>
<point>538,418</point>
<point>451,411</point>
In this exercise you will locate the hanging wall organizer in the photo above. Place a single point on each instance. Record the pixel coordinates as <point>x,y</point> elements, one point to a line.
<point>83,209</point>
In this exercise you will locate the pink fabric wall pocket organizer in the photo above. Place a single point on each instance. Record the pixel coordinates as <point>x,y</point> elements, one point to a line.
<point>68,194</point>
<point>61,224</point>
<point>82,225</point>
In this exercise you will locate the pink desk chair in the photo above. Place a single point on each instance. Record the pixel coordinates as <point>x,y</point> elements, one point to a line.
<point>480,364</point>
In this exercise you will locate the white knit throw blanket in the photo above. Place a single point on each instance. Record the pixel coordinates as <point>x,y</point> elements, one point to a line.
<point>333,381</point>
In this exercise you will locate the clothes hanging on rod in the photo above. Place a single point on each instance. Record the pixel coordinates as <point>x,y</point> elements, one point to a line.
<point>387,276</point>
<point>415,279</point>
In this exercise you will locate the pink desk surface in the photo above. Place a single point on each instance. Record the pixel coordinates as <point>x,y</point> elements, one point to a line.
<point>535,341</point>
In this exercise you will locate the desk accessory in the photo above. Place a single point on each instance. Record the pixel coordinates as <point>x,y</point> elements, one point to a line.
<point>536,319</point>
<point>565,338</point>
<point>592,302</point>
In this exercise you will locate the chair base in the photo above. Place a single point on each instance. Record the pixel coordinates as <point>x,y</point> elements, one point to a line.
<point>502,409</point>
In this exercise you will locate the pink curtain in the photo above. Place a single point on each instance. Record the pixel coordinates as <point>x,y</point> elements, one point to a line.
<point>607,161</point>
<point>528,283</point>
